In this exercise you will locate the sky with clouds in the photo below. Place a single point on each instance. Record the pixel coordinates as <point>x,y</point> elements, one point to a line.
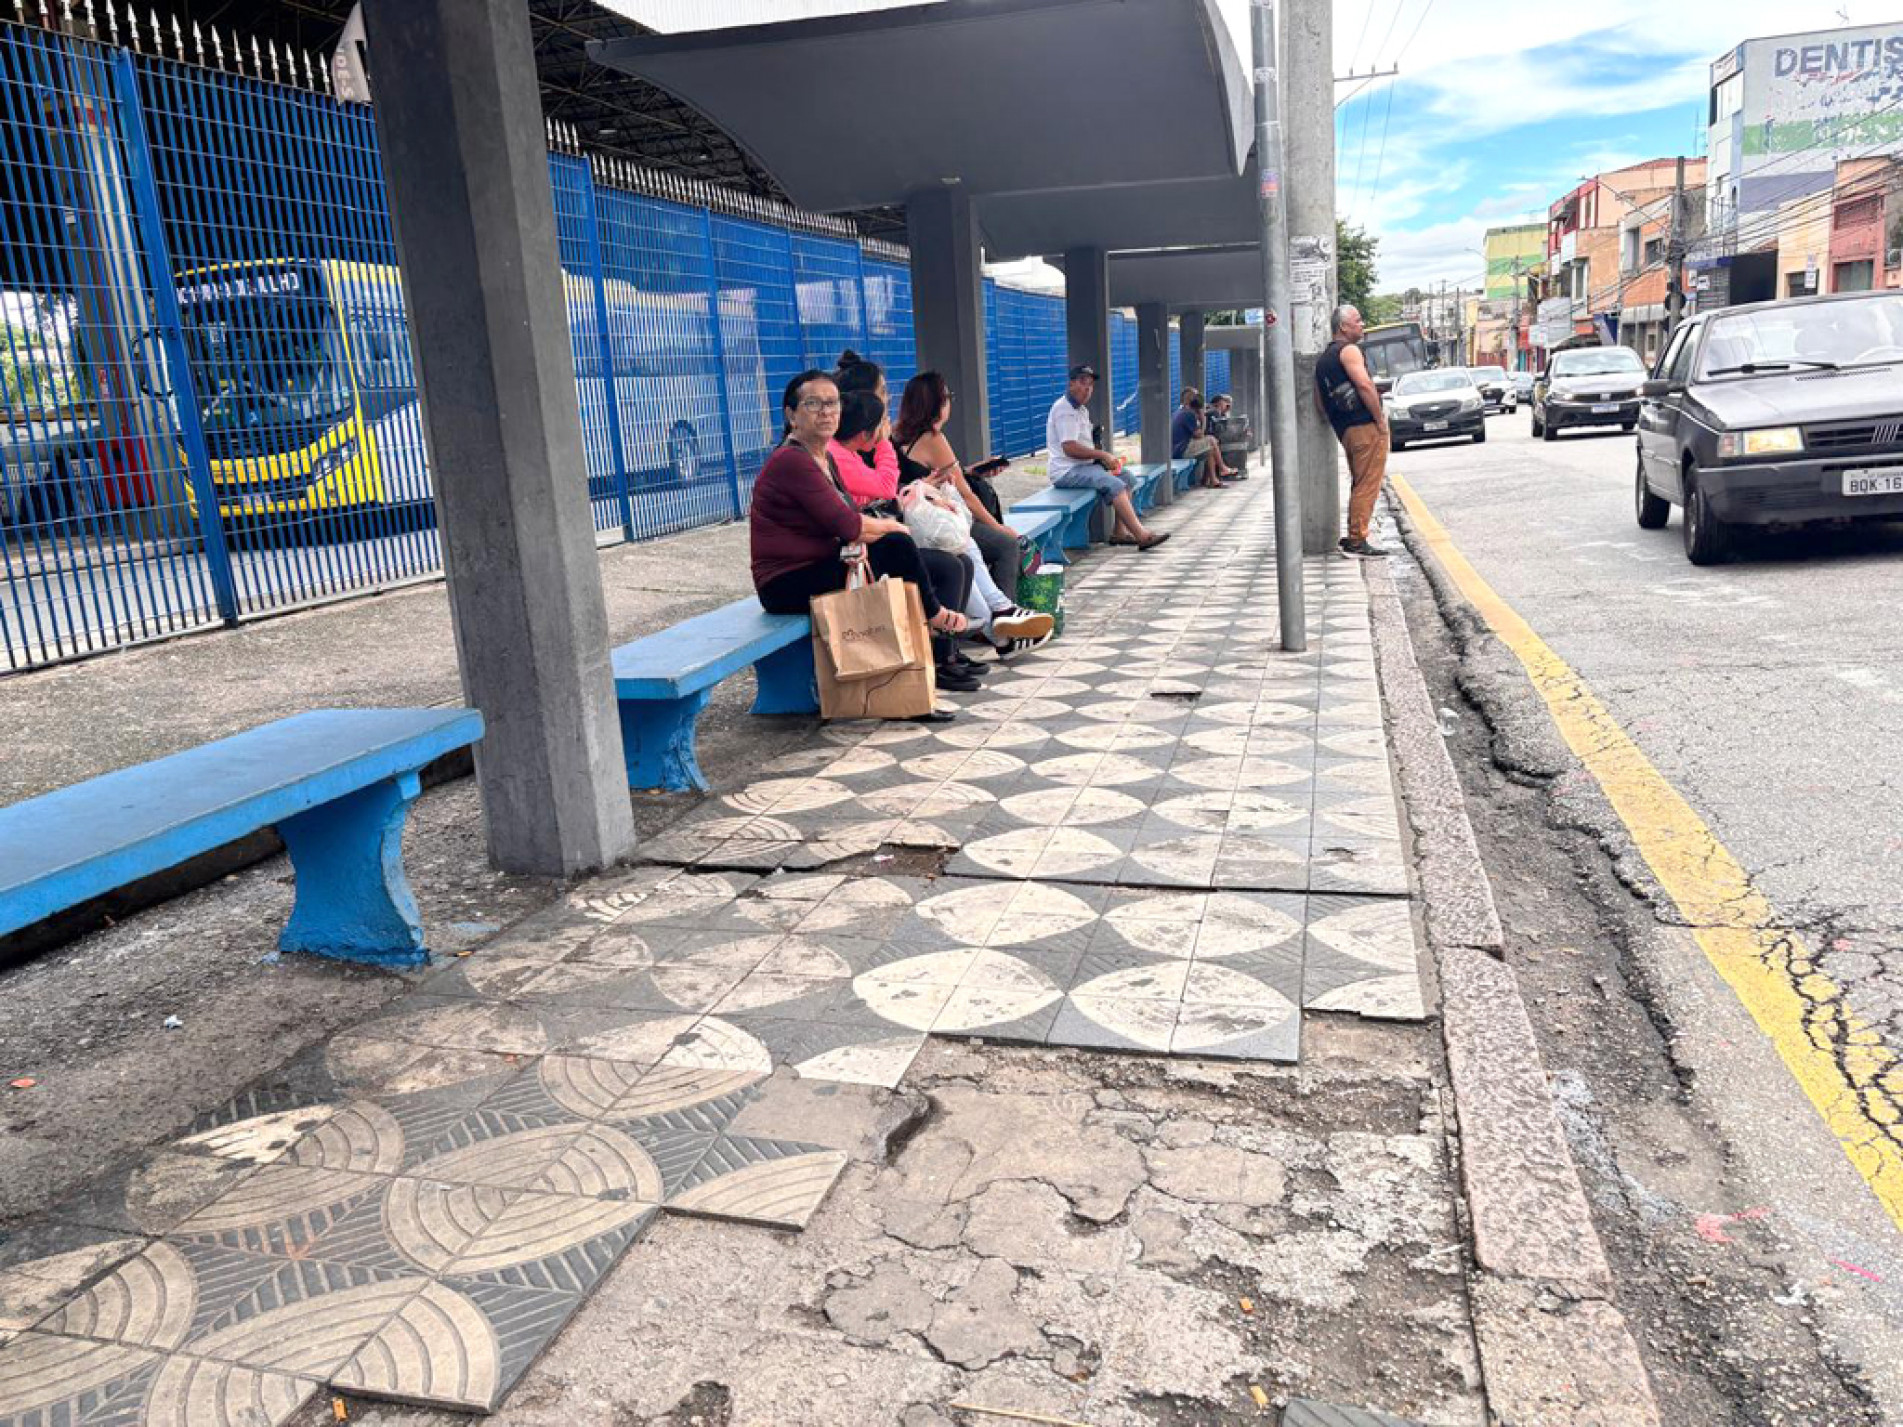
<point>1501,106</point>
<point>1499,109</point>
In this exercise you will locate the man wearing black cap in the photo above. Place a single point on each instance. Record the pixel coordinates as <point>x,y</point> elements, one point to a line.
<point>1075,464</point>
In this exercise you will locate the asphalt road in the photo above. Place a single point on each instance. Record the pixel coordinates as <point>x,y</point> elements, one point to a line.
<point>1769,693</point>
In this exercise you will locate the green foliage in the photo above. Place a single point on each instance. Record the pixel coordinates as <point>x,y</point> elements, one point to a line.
<point>1382,308</point>
<point>32,380</point>
<point>1355,250</point>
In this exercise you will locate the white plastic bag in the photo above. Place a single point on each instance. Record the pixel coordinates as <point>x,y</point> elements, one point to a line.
<point>936,521</point>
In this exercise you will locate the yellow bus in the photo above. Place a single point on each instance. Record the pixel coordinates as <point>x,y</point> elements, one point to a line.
<point>306,389</point>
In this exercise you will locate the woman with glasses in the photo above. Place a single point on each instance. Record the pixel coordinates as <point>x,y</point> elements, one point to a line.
<point>802,519</point>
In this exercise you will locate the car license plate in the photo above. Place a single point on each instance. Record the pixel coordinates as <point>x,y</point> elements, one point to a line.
<point>1887,481</point>
<point>1604,408</point>
<point>1433,426</point>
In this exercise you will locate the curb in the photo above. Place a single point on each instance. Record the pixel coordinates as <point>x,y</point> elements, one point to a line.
<point>1555,1350</point>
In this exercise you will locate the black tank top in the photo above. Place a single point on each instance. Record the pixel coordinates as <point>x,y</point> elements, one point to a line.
<point>1339,397</point>
<point>910,470</point>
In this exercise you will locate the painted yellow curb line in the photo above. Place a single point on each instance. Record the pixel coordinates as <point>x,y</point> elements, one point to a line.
<point>1854,1080</point>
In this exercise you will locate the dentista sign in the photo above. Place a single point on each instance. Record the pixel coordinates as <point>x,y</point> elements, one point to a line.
<point>1836,59</point>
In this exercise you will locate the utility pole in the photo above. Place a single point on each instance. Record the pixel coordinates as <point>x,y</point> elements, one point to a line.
<point>1308,43</point>
<point>1278,353</point>
<point>1675,255</point>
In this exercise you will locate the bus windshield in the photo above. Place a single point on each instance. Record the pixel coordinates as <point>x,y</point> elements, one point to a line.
<point>1393,352</point>
<point>270,372</point>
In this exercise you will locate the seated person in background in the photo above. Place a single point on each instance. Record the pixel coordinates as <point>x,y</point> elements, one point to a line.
<point>925,455</point>
<point>1228,429</point>
<point>1075,464</point>
<point>1188,441</point>
<point>801,519</point>
<point>861,440</point>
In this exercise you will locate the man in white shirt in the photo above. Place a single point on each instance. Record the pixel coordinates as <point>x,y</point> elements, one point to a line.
<point>1075,464</point>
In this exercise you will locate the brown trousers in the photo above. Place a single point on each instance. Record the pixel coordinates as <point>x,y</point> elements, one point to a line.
<point>1367,448</point>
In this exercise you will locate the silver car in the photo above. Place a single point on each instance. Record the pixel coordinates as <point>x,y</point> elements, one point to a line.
<point>1435,405</point>
<point>1587,386</point>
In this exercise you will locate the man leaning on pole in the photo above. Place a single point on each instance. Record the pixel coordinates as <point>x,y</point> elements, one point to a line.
<point>1346,395</point>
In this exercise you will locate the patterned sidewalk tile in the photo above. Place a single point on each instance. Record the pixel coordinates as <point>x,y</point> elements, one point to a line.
<point>1165,836</point>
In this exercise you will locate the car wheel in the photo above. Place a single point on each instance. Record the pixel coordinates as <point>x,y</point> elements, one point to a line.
<point>1397,445</point>
<point>1707,538</point>
<point>1539,427</point>
<point>1548,432</point>
<point>683,453</point>
<point>1480,436</point>
<point>1627,426</point>
<point>1653,510</point>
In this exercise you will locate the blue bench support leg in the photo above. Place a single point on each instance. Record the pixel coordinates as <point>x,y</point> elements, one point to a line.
<point>786,681</point>
<point>657,737</point>
<point>1102,520</point>
<point>353,901</point>
<point>1051,547</point>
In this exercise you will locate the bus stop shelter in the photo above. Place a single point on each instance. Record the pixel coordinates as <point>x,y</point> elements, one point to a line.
<point>1006,128</point>
<point>1030,127</point>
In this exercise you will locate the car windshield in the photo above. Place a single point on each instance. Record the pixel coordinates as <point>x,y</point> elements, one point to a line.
<point>1806,334</point>
<point>1599,362</point>
<point>1414,383</point>
<point>1489,374</point>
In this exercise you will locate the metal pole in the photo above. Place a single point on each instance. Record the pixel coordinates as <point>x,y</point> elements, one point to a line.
<point>1308,45</point>
<point>1675,250</point>
<point>1279,363</point>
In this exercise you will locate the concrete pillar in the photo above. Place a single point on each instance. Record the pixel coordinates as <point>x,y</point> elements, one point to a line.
<point>1190,324</point>
<point>1308,102</point>
<point>1153,384</point>
<point>948,309</point>
<point>1087,326</point>
<point>459,115</point>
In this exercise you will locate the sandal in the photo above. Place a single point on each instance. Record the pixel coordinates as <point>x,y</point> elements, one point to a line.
<point>1154,541</point>
<point>949,621</point>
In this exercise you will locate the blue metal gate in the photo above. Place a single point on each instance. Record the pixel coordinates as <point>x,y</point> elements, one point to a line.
<point>207,400</point>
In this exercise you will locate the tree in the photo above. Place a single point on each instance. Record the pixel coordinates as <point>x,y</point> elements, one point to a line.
<point>1383,308</point>
<point>1354,265</point>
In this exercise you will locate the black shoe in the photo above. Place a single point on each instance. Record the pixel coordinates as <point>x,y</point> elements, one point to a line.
<point>1361,548</point>
<point>966,665</point>
<point>956,680</point>
<point>935,716</point>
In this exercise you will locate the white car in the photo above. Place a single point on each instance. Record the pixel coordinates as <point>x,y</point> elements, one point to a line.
<point>1436,406</point>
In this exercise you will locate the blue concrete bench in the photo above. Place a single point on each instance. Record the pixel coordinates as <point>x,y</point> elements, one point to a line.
<point>1042,528</point>
<point>1148,481</point>
<point>1077,510</point>
<point>1183,473</point>
<point>336,783</point>
<point>664,680</point>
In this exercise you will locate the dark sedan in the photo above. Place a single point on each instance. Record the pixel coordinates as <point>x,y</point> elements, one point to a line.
<point>1775,414</point>
<point>1435,405</point>
<point>1587,386</point>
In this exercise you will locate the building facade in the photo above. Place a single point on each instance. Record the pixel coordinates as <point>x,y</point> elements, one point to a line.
<point>1503,325</point>
<point>1788,113</point>
<point>1609,248</point>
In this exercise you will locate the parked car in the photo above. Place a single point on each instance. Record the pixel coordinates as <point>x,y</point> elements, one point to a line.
<point>1435,406</point>
<point>1772,414</point>
<point>1522,387</point>
<point>1496,389</point>
<point>1587,386</point>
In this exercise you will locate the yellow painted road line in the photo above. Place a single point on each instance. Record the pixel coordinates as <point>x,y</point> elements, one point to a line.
<point>1853,1079</point>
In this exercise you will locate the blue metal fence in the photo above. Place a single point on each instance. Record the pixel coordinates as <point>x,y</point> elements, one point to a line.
<point>208,403</point>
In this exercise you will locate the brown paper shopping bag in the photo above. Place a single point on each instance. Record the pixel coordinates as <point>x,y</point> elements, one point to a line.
<point>903,693</point>
<point>863,625</point>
